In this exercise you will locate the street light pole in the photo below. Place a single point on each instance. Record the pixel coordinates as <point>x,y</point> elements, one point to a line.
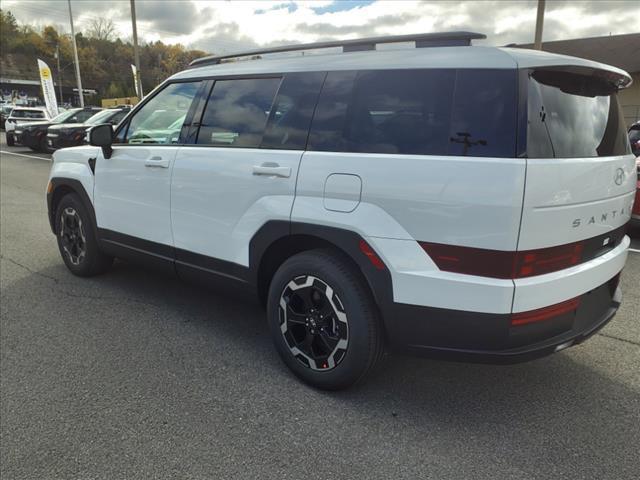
<point>539,21</point>
<point>59,72</point>
<point>75,56</point>
<point>136,54</point>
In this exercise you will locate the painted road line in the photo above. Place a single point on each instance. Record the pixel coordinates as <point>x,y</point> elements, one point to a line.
<point>27,156</point>
<point>634,250</point>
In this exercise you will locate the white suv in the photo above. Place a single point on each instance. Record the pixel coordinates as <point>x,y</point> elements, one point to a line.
<point>20,115</point>
<point>449,200</point>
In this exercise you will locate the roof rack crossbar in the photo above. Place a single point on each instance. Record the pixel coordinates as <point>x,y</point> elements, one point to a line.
<point>422,40</point>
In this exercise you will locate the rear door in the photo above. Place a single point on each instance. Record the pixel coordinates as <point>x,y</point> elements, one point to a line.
<point>580,171</point>
<point>242,168</point>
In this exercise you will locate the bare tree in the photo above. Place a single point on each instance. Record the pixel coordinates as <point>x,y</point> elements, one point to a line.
<point>102,29</point>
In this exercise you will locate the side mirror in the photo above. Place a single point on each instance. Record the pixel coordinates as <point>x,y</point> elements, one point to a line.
<point>102,136</point>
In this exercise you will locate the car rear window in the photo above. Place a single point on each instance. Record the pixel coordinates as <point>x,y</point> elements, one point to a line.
<point>573,115</point>
<point>27,114</point>
<point>424,112</point>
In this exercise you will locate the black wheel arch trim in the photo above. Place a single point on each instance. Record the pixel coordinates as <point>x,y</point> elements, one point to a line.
<point>58,183</point>
<point>264,246</point>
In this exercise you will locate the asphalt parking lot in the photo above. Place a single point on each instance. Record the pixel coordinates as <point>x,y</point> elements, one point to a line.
<point>131,375</point>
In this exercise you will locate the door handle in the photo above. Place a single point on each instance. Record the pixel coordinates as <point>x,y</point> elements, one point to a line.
<point>156,162</point>
<point>272,170</point>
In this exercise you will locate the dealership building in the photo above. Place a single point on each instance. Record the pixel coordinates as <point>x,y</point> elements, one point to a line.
<point>20,79</point>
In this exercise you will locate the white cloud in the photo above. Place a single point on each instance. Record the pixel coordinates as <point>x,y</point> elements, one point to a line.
<point>223,26</point>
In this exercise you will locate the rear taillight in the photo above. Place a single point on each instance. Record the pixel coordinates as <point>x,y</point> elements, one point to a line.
<point>503,264</point>
<point>547,260</point>
<point>546,313</point>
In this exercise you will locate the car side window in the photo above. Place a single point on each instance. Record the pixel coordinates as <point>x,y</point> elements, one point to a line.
<point>80,117</point>
<point>161,119</point>
<point>418,112</point>
<point>237,111</point>
<point>114,120</point>
<point>329,120</point>
<point>288,125</point>
<point>484,113</point>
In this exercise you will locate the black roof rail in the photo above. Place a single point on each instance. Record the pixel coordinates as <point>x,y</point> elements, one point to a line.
<point>422,40</point>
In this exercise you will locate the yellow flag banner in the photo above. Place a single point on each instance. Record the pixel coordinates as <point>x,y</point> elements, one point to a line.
<point>48,91</point>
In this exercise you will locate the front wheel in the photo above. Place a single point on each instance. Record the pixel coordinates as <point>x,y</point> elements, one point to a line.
<point>323,320</point>
<point>42,146</point>
<point>10,140</point>
<point>76,239</point>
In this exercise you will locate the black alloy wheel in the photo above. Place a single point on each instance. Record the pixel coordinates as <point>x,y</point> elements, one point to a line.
<point>323,319</point>
<point>72,236</point>
<point>314,323</point>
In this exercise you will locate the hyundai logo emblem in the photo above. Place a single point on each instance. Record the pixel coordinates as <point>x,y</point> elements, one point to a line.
<point>619,178</point>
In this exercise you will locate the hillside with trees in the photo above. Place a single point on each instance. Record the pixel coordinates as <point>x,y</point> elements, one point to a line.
<point>105,61</point>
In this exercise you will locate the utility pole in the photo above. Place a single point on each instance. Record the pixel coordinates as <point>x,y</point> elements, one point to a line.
<point>59,72</point>
<point>136,54</point>
<point>539,21</point>
<point>75,56</point>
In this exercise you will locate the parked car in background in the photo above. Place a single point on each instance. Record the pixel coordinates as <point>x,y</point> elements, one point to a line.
<point>34,134</point>
<point>5,110</point>
<point>634,138</point>
<point>20,115</point>
<point>73,134</point>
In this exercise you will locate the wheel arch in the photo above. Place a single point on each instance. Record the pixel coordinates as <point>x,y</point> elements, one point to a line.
<point>59,187</point>
<point>277,241</point>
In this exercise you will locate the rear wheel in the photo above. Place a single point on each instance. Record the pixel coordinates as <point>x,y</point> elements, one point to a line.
<point>323,320</point>
<point>76,239</point>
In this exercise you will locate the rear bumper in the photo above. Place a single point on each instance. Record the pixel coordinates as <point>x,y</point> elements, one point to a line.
<point>490,338</point>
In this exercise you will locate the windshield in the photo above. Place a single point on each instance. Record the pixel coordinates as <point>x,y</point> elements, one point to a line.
<point>100,117</point>
<point>63,116</point>
<point>573,116</point>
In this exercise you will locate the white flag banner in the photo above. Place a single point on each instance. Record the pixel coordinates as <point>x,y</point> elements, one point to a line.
<point>48,91</point>
<point>135,81</point>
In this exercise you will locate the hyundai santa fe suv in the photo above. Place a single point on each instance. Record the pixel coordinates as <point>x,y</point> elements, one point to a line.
<point>454,201</point>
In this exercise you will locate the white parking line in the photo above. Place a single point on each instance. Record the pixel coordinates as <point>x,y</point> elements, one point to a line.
<point>634,250</point>
<point>24,155</point>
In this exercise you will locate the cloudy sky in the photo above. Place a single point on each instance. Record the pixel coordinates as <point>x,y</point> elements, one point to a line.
<point>225,26</point>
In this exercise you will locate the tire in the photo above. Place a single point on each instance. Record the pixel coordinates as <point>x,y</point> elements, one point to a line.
<point>76,239</point>
<point>43,147</point>
<point>318,294</point>
<point>10,141</point>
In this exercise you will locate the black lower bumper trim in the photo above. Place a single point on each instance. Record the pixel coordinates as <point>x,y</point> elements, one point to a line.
<point>507,344</point>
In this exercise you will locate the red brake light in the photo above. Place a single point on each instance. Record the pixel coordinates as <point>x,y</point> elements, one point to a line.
<point>546,260</point>
<point>503,264</point>
<point>371,255</point>
<point>546,313</point>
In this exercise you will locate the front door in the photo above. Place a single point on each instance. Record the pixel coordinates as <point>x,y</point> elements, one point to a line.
<point>132,187</point>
